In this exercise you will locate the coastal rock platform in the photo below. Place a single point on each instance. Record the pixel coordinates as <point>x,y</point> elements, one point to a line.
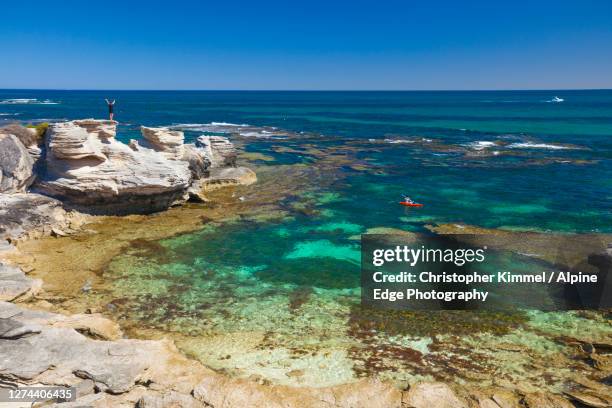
<point>87,352</point>
<point>29,215</point>
<point>87,168</point>
<point>91,171</point>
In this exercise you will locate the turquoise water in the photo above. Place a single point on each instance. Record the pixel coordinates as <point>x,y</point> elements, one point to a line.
<point>278,290</point>
<point>550,186</point>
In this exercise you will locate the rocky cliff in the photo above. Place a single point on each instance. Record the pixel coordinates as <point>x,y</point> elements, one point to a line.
<point>88,169</point>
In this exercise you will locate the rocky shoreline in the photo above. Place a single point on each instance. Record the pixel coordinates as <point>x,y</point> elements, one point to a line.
<point>87,351</point>
<point>54,185</point>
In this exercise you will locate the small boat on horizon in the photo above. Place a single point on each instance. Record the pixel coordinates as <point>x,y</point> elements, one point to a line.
<point>556,99</point>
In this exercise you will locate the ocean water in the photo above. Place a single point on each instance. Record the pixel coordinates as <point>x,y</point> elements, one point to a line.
<point>278,291</point>
<point>554,172</point>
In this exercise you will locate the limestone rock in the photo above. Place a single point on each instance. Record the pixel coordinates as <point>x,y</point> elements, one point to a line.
<point>41,347</point>
<point>427,395</point>
<point>92,325</point>
<point>90,170</point>
<point>77,141</point>
<point>16,165</point>
<point>88,400</point>
<point>15,284</point>
<point>168,400</point>
<point>219,390</point>
<point>544,400</point>
<point>198,159</point>
<point>221,177</point>
<point>44,348</point>
<point>219,149</point>
<point>164,140</point>
<point>591,398</point>
<point>103,129</point>
<point>27,214</point>
<point>367,393</point>
<point>113,366</point>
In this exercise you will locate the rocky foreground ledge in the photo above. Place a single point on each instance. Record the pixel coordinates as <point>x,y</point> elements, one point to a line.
<point>87,351</point>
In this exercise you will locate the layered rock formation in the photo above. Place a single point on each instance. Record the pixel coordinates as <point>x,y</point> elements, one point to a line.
<point>164,140</point>
<point>15,285</point>
<point>221,151</point>
<point>28,215</point>
<point>222,170</point>
<point>16,165</point>
<point>87,168</point>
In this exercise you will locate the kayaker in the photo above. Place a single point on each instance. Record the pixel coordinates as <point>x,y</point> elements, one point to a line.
<point>408,200</point>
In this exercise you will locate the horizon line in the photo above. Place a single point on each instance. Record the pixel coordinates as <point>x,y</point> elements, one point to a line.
<point>307,90</point>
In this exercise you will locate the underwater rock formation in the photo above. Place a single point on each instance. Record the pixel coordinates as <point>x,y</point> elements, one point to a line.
<point>229,176</point>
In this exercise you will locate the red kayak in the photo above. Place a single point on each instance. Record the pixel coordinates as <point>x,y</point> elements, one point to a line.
<point>410,204</point>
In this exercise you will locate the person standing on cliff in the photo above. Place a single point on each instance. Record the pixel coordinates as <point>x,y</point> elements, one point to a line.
<point>110,108</point>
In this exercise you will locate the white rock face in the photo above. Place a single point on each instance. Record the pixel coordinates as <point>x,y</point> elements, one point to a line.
<point>25,215</point>
<point>169,142</point>
<point>198,159</point>
<point>90,170</point>
<point>221,151</point>
<point>16,164</point>
<point>14,284</point>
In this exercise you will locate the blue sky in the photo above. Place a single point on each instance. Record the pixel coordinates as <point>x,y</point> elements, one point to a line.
<point>306,45</point>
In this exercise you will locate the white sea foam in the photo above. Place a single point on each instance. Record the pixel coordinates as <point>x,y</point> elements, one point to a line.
<point>228,124</point>
<point>244,130</point>
<point>8,114</point>
<point>27,101</point>
<point>18,101</point>
<point>257,133</point>
<point>529,145</point>
<point>481,144</point>
<point>220,127</point>
<point>398,141</point>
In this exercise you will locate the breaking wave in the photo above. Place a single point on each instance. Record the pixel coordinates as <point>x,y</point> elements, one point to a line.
<point>481,144</point>
<point>27,101</point>
<point>529,145</point>
<point>242,129</point>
